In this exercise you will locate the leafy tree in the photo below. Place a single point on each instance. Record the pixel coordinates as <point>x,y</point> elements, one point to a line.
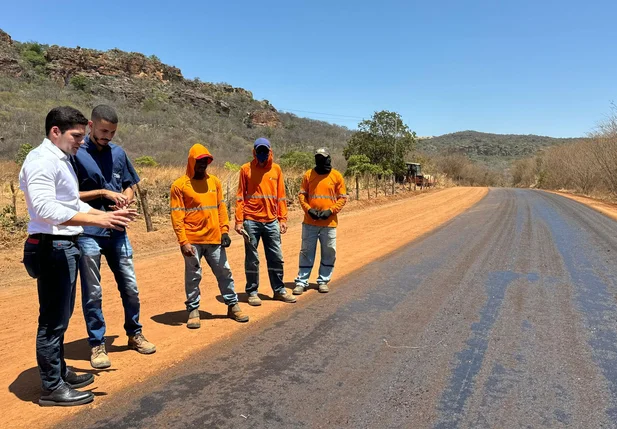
<point>22,153</point>
<point>297,161</point>
<point>360,166</point>
<point>34,53</point>
<point>384,139</point>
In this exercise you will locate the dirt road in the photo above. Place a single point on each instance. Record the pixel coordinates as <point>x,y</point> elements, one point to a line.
<point>504,318</point>
<point>364,236</point>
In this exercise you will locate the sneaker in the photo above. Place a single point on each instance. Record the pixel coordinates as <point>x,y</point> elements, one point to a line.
<point>235,313</point>
<point>193,322</point>
<point>285,297</point>
<point>323,288</point>
<point>254,300</point>
<point>138,342</point>
<point>299,290</point>
<point>99,358</point>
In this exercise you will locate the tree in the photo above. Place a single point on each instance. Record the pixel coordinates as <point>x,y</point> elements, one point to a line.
<point>360,166</point>
<point>384,139</point>
<point>297,161</point>
<point>357,166</point>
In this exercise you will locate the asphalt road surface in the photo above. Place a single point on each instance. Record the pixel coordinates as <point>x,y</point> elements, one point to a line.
<point>505,317</point>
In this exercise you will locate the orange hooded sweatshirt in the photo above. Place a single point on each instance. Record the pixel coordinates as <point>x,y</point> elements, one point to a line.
<point>322,192</point>
<point>198,212</point>
<point>261,192</point>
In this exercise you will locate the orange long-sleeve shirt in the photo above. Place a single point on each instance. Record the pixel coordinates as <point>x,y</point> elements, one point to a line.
<point>261,193</point>
<point>198,212</point>
<point>322,192</point>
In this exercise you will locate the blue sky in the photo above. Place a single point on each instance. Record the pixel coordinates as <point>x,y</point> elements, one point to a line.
<point>526,66</point>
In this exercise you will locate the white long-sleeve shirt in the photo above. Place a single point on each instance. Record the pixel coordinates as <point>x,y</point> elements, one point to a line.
<point>52,192</point>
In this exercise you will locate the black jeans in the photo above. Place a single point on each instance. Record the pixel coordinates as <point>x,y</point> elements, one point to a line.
<point>58,261</point>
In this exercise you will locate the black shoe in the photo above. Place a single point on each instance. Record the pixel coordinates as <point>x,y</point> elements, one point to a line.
<point>76,381</point>
<point>64,396</point>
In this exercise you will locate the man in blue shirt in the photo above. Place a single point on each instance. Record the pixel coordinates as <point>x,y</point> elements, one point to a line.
<point>106,177</point>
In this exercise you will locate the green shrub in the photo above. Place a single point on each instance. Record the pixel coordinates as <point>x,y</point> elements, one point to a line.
<point>80,82</point>
<point>146,161</point>
<point>34,53</point>
<point>230,166</point>
<point>297,161</point>
<point>22,153</point>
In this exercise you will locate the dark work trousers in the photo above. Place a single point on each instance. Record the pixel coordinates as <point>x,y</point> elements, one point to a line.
<point>58,261</point>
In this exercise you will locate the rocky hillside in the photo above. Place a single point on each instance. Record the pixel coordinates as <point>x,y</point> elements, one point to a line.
<point>490,148</point>
<point>161,112</point>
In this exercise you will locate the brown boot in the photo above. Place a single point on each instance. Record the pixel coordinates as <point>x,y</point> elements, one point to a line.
<point>234,312</point>
<point>254,300</point>
<point>194,322</point>
<point>99,358</point>
<point>138,342</point>
<point>285,297</point>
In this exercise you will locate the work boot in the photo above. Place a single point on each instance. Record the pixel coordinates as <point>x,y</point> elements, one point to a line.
<point>234,312</point>
<point>323,288</point>
<point>99,358</point>
<point>299,290</point>
<point>76,381</point>
<point>254,300</point>
<point>285,297</point>
<point>64,396</point>
<point>138,342</point>
<point>194,322</point>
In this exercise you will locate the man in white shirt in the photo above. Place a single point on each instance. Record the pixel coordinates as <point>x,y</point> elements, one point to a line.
<point>51,254</point>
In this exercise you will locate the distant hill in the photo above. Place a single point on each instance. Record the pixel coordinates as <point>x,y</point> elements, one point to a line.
<point>490,148</point>
<point>161,113</point>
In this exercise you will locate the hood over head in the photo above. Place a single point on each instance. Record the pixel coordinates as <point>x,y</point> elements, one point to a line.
<point>196,152</point>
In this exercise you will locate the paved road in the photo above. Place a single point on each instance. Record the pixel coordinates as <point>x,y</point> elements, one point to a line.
<point>506,317</point>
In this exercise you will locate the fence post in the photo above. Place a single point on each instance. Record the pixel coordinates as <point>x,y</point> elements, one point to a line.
<point>143,198</point>
<point>227,201</point>
<point>357,188</point>
<point>14,200</point>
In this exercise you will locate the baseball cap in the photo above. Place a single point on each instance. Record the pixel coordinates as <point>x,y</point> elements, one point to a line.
<point>323,151</point>
<point>262,141</point>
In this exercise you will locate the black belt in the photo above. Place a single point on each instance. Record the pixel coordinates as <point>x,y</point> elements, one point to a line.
<point>47,238</point>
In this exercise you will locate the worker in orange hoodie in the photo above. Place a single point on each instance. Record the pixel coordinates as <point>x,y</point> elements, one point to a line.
<point>200,221</point>
<point>322,196</point>
<point>261,213</point>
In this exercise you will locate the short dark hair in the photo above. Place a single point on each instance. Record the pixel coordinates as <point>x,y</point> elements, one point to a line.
<point>65,118</point>
<point>104,112</point>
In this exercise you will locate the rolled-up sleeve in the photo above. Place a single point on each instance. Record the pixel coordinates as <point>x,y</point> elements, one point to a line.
<point>84,207</point>
<point>40,178</point>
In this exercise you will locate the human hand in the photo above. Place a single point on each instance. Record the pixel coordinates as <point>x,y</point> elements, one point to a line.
<point>225,240</point>
<point>118,199</point>
<point>283,226</point>
<point>187,249</point>
<point>238,228</point>
<point>325,214</point>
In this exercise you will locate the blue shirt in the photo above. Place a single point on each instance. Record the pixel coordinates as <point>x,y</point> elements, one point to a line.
<point>109,169</point>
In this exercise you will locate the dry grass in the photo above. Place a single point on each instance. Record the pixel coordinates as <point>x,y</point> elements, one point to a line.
<point>157,181</point>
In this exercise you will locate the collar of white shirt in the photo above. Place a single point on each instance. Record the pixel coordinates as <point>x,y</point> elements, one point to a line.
<point>47,144</point>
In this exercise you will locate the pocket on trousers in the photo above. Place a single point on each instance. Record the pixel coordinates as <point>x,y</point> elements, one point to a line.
<point>32,260</point>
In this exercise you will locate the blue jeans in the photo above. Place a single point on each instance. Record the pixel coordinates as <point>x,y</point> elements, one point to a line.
<point>119,255</point>
<point>216,257</point>
<point>327,242</point>
<point>56,288</point>
<point>271,234</point>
